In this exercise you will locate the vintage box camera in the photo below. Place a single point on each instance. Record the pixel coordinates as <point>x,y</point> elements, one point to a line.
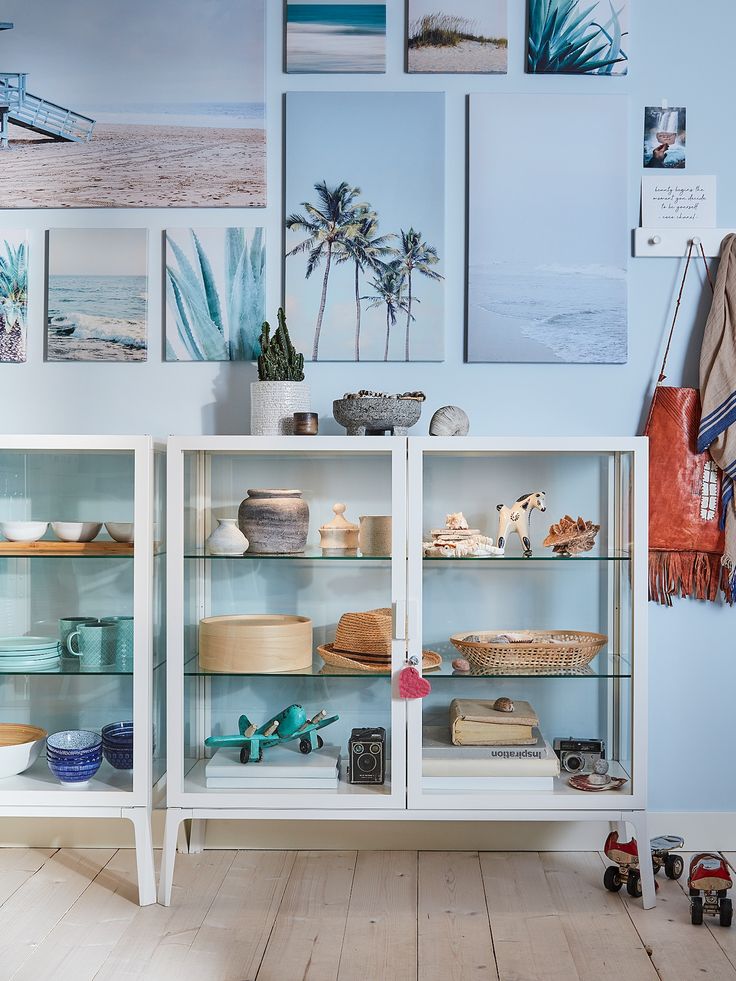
<point>579,755</point>
<point>367,756</point>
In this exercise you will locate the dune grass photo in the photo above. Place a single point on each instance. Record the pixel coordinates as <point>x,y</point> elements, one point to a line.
<point>472,37</point>
<point>215,294</point>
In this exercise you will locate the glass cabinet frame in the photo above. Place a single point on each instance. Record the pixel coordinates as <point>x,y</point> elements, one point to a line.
<point>117,796</point>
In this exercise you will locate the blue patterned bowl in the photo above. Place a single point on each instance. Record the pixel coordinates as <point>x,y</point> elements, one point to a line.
<point>74,755</point>
<point>73,741</point>
<point>117,745</point>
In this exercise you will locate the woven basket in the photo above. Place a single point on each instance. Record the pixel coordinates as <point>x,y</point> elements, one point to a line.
<point>572,649</point>
<point>365,633</point>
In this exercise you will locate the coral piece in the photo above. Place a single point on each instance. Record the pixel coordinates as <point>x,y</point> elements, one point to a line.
<point>570,537</point>
<point>476,545</point>
<point>279,360</point>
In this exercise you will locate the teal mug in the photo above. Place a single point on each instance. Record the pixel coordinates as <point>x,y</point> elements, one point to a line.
<point>124,640</point>
<point>95,643</point>
<point>67,626</point>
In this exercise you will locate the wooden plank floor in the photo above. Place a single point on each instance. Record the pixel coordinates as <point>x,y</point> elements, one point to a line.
<point>70,915</point>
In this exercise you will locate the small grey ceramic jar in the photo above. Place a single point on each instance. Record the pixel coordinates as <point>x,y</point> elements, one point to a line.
<point>275,521</point>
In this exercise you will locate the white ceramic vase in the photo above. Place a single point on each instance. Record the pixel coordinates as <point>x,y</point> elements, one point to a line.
<point>227,538</point>
<point>273,404</point>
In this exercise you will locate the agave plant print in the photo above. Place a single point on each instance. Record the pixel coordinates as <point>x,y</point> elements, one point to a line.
<point>578,37</point>
<point>215,293</point>
<point>13,296</point>
<point>365,226</point>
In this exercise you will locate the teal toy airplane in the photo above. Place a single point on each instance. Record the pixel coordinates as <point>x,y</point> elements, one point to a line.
<point>291,723</point>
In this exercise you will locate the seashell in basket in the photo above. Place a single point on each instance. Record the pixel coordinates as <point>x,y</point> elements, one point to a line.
<point>543,651</point>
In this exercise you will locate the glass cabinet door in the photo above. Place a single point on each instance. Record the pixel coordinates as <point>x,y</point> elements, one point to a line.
<point>76,550</point>
<point>580,685</point>
<point>311,662</point>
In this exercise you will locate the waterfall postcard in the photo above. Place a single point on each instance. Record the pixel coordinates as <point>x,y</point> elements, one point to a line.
<point>135,105</point>
<point>365,226</point>
<point>97,297</point>
<point>549,238</point>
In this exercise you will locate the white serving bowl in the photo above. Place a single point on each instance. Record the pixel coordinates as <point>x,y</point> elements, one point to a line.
<point>120,531</point>
<point>20,746</point>
<point>76,531</point>
<point>23,531</point>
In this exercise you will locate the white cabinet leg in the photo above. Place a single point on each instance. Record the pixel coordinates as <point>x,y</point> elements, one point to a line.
<point>620,827</point>
<point>141,819</point>
<point>174,818</point>
<point>640,825</point>
<point>197,835</point>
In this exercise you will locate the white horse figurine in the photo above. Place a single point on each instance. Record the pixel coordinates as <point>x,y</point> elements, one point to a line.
<point>516,519</point>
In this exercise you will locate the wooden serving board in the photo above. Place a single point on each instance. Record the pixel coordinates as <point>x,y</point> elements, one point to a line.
<point>66,548</point>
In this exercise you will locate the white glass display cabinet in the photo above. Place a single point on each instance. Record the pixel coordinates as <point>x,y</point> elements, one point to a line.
<point>211,685</point>
<point>602,591</point>
<point>419,482</point>
<point>50,581</point>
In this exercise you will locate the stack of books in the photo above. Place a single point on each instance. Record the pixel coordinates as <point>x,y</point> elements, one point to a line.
<point>478,723</point>
<point>527,768</point>
<point>282,768</point>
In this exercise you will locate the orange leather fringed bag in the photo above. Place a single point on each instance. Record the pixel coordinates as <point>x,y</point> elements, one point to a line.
<point>685,538</point>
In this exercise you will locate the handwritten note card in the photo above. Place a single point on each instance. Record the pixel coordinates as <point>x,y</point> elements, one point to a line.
<point>679,202</point>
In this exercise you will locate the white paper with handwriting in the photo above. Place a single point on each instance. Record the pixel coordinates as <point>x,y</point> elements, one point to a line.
<point>678,202</point>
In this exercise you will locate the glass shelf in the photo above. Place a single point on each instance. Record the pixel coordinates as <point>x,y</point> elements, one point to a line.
<point>503,559</point>
<point>317,669</point>
<point>313,553</point>
<point>71,668</point>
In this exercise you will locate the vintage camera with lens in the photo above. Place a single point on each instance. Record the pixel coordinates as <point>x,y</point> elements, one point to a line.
<point>367,756</point>
<point>579,755</point>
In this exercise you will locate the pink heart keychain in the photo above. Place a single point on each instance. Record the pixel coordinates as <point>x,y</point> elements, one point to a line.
<point>412,684</point>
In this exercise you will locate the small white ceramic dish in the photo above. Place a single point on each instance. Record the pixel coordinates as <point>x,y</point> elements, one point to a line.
<point>76,531</point>
<point>23,531</point>
<point>120,531</point>
<point>27,643</point>
<point>20,746</point>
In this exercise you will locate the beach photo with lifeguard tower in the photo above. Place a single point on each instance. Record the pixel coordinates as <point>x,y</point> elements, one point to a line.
<point>132,105</point>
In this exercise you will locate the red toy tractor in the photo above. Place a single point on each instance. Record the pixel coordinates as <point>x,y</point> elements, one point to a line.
<point>626,856</point>
<point>709,882</point>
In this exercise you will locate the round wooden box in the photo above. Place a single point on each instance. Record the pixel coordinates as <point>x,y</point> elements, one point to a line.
<point>255,643</point>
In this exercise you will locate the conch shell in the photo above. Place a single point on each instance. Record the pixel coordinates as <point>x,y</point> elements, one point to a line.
<point>570,537</point>
<point>456,522</point>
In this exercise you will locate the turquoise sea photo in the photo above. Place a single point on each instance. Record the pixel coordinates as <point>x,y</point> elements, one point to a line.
<point>335,37</point>
<point>97,295</point>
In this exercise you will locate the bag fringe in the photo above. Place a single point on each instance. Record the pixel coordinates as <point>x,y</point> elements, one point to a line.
<point>688,574</point>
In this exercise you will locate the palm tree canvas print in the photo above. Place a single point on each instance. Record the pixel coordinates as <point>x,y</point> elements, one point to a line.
<point>548,263</point>
<point>578,37</point>
<point>365,226</point>
<point>215,293</point>
<point>13,296</point>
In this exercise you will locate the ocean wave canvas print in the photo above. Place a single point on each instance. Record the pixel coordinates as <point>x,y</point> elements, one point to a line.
<point>13,296</point>
<point>134,106</point>
<point>547,277</point>
<point>365,226</point>
<point>333,36</point>
<point>578,37</point>
<point>467,36</point>
<point>97,294</point>
<point>215,293</point>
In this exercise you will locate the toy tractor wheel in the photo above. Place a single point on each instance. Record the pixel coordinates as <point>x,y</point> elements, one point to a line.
<point>693,892</point>
<point>696,910</point>
<point>305,746</point>
<point>245,754</point>
<point>726,912</point>
<point>674,866</point>
<point>612,879</point>
<point>320,742</point>
<point>633,883</point>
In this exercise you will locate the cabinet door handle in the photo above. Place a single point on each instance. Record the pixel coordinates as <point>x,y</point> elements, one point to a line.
<point>399,619</point>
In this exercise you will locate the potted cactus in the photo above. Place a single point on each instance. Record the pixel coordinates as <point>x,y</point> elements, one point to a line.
<point>281,390</point>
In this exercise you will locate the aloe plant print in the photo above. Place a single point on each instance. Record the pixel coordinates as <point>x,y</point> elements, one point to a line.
<point>13,301</point>
<point>215,294</point>
<point>575,37</point>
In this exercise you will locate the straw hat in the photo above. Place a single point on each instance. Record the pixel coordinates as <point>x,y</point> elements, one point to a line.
<point>363,642</point>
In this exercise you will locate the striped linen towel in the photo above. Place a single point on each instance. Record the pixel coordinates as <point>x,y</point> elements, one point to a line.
<point>717,431</point>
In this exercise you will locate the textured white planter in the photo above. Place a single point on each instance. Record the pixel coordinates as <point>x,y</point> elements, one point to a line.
<point>273,404</point>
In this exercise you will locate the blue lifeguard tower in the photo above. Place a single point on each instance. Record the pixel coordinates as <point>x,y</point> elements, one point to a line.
<point>22,108</point>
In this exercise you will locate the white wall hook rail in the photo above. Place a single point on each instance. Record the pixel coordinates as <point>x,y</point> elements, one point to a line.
<point>674,242</point>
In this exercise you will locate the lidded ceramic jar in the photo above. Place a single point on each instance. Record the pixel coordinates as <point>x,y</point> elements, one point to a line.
<point>227,538</point>
<point>339,536</point>
<point>275,521</point>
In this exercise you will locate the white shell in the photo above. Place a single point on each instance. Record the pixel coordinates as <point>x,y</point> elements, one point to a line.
<point>450,420</point>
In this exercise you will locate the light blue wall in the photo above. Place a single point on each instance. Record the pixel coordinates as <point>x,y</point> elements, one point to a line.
<point>680,50</point>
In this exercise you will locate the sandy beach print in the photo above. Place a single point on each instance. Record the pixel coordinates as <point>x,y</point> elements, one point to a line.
<point>465,36</point>
<point>180,125</point>
<point>335,37</point>
<point>97,295</point>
